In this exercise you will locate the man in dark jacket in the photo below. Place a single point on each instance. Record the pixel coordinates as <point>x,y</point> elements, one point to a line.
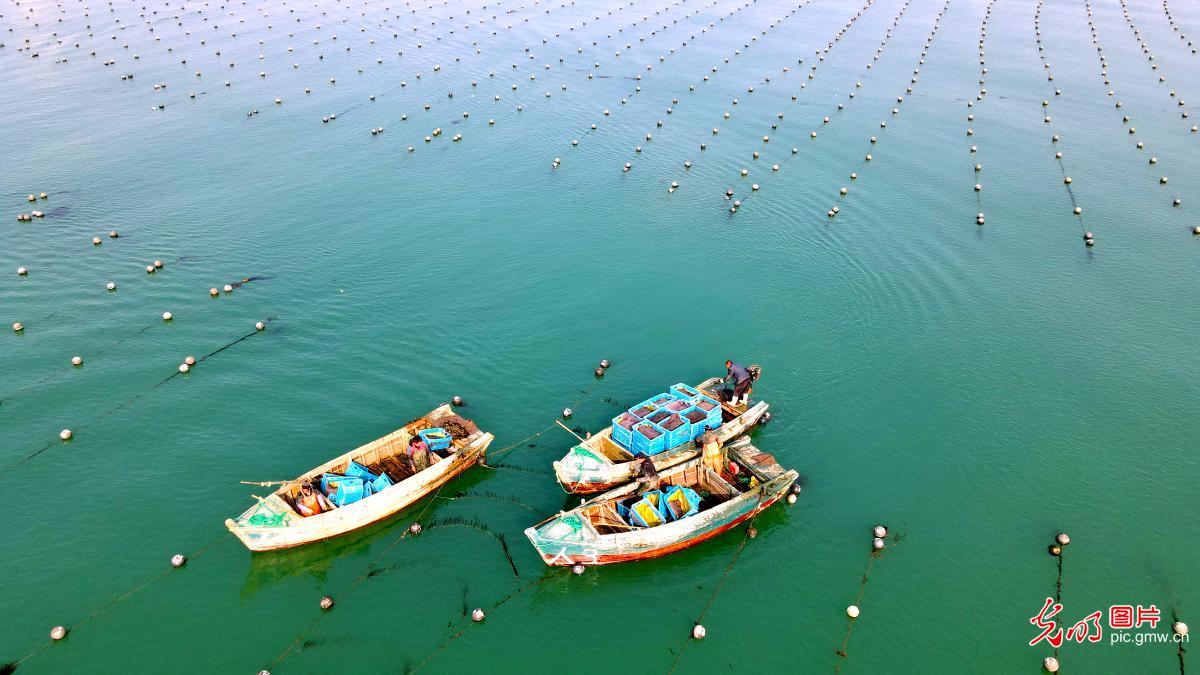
<point>737,373</point>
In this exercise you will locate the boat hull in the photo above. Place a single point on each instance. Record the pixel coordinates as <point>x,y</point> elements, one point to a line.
<point>609,476</point>
<point>643,544</point>
<point>380,506</point>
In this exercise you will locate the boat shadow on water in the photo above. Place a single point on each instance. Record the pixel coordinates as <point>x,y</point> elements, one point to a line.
<point>316,560</point>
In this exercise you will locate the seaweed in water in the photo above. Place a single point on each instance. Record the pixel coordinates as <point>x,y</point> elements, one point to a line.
<point>465,609</point>
<point>7,668</point>
<point>457,521</point>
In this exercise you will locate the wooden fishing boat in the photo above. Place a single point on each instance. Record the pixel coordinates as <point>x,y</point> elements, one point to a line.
<point>274,523</point>
<point>595,533</point>
<point>599,463</point>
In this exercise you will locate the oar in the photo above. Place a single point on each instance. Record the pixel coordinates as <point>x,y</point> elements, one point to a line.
<point>581,439</point>
<point>268,483</point>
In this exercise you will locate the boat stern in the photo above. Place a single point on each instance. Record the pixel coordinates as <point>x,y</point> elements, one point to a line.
<point>584,470</point>
<point>562,540</point>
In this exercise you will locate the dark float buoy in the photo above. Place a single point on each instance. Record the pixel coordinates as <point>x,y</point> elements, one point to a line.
<point>765,419</point>
<point>599,372</point>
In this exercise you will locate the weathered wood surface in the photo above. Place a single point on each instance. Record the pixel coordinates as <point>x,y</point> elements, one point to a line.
<point>618,466</point>
<point>572,537</point>
<point>299,530</point>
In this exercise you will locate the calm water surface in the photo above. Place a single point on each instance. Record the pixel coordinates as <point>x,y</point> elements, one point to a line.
<point>976,388</point>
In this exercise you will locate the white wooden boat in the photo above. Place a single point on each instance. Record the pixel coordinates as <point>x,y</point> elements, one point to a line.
<point>599,463</point>
<point>595,533</point>
<point>274,523</point>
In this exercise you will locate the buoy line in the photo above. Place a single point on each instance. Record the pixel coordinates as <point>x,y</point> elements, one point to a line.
<point>977,168</point>
<point>1119,104</point>
<point>1175,26</point>
<point>699,634</point>
<point>716,71</point>
<point>1145,47</point>
<point>108,606</point>
<point>611,36</point>
<point>713,26</point>
<point>822,54</point>
<point>68,435</point>
<point>395,35</point>
<point>1088,238</point>
<point>912,83</point>
<point>878,546</point>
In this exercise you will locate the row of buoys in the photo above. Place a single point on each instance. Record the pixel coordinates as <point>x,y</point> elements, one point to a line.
<point>937,23</point>
<point>821,54</point>
<point>675,101</point>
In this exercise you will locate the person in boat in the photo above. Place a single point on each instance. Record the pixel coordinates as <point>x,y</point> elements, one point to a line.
<point>418,454</point>
<point>310,501</point>
<point>711,451</point>
<point>737,373</point>
<point>647,475</point>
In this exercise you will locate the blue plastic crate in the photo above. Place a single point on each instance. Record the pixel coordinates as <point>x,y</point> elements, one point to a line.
<point>436,438</point>
<point>714,415</point>
<point>686,392</point>
<point>346,490</point>
<point>621,435</point>
<point>680,434</point>
<point>358,470</point>
<point>381,483</point>
<point>660,400</point>
<point>699,425</point>
<point>643,409</point>
<point>650,446</point>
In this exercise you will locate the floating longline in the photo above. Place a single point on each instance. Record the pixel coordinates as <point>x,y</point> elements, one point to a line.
<point>862,589</point>
<point>132,400</point>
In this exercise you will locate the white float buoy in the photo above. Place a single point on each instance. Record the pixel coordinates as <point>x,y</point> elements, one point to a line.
<point>65,434</point>
<point>111,286</point>
<point>567,412</point>
<point>190,360</point>
<point>852,611</point>
<point>698,632</point>
<point>178,560</point>
<point>880,531</point>
<point>477,615</point>
<point>184,368</point>
<point>1062,537</point>
<point>18,327</point>
<point>57,633</point>
<point>77,360</point>
<point>1179,628</point>
<point>21,271</point>
<point>326,603</point>
<point>259,325</point>
<point>1050,664</point>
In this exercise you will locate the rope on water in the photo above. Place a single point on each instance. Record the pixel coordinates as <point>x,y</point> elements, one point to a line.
<point>447,642</point>
<point>354,584</point>
<point>103,609</point>
<point>134,399</point>
<point>862,589</point>
<point>717,589</point>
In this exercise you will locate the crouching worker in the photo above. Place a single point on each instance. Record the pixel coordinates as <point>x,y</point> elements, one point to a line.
<point>711,449</point>
<point>310,502</point>
<point>647,475</point>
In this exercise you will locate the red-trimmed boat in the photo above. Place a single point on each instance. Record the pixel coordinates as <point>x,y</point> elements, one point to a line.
<point>601,531</point>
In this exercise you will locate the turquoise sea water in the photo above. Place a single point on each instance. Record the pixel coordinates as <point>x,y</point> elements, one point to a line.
<point>977,388</point>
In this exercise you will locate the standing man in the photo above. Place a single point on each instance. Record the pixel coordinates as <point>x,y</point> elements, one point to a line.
<point>741,379</point>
